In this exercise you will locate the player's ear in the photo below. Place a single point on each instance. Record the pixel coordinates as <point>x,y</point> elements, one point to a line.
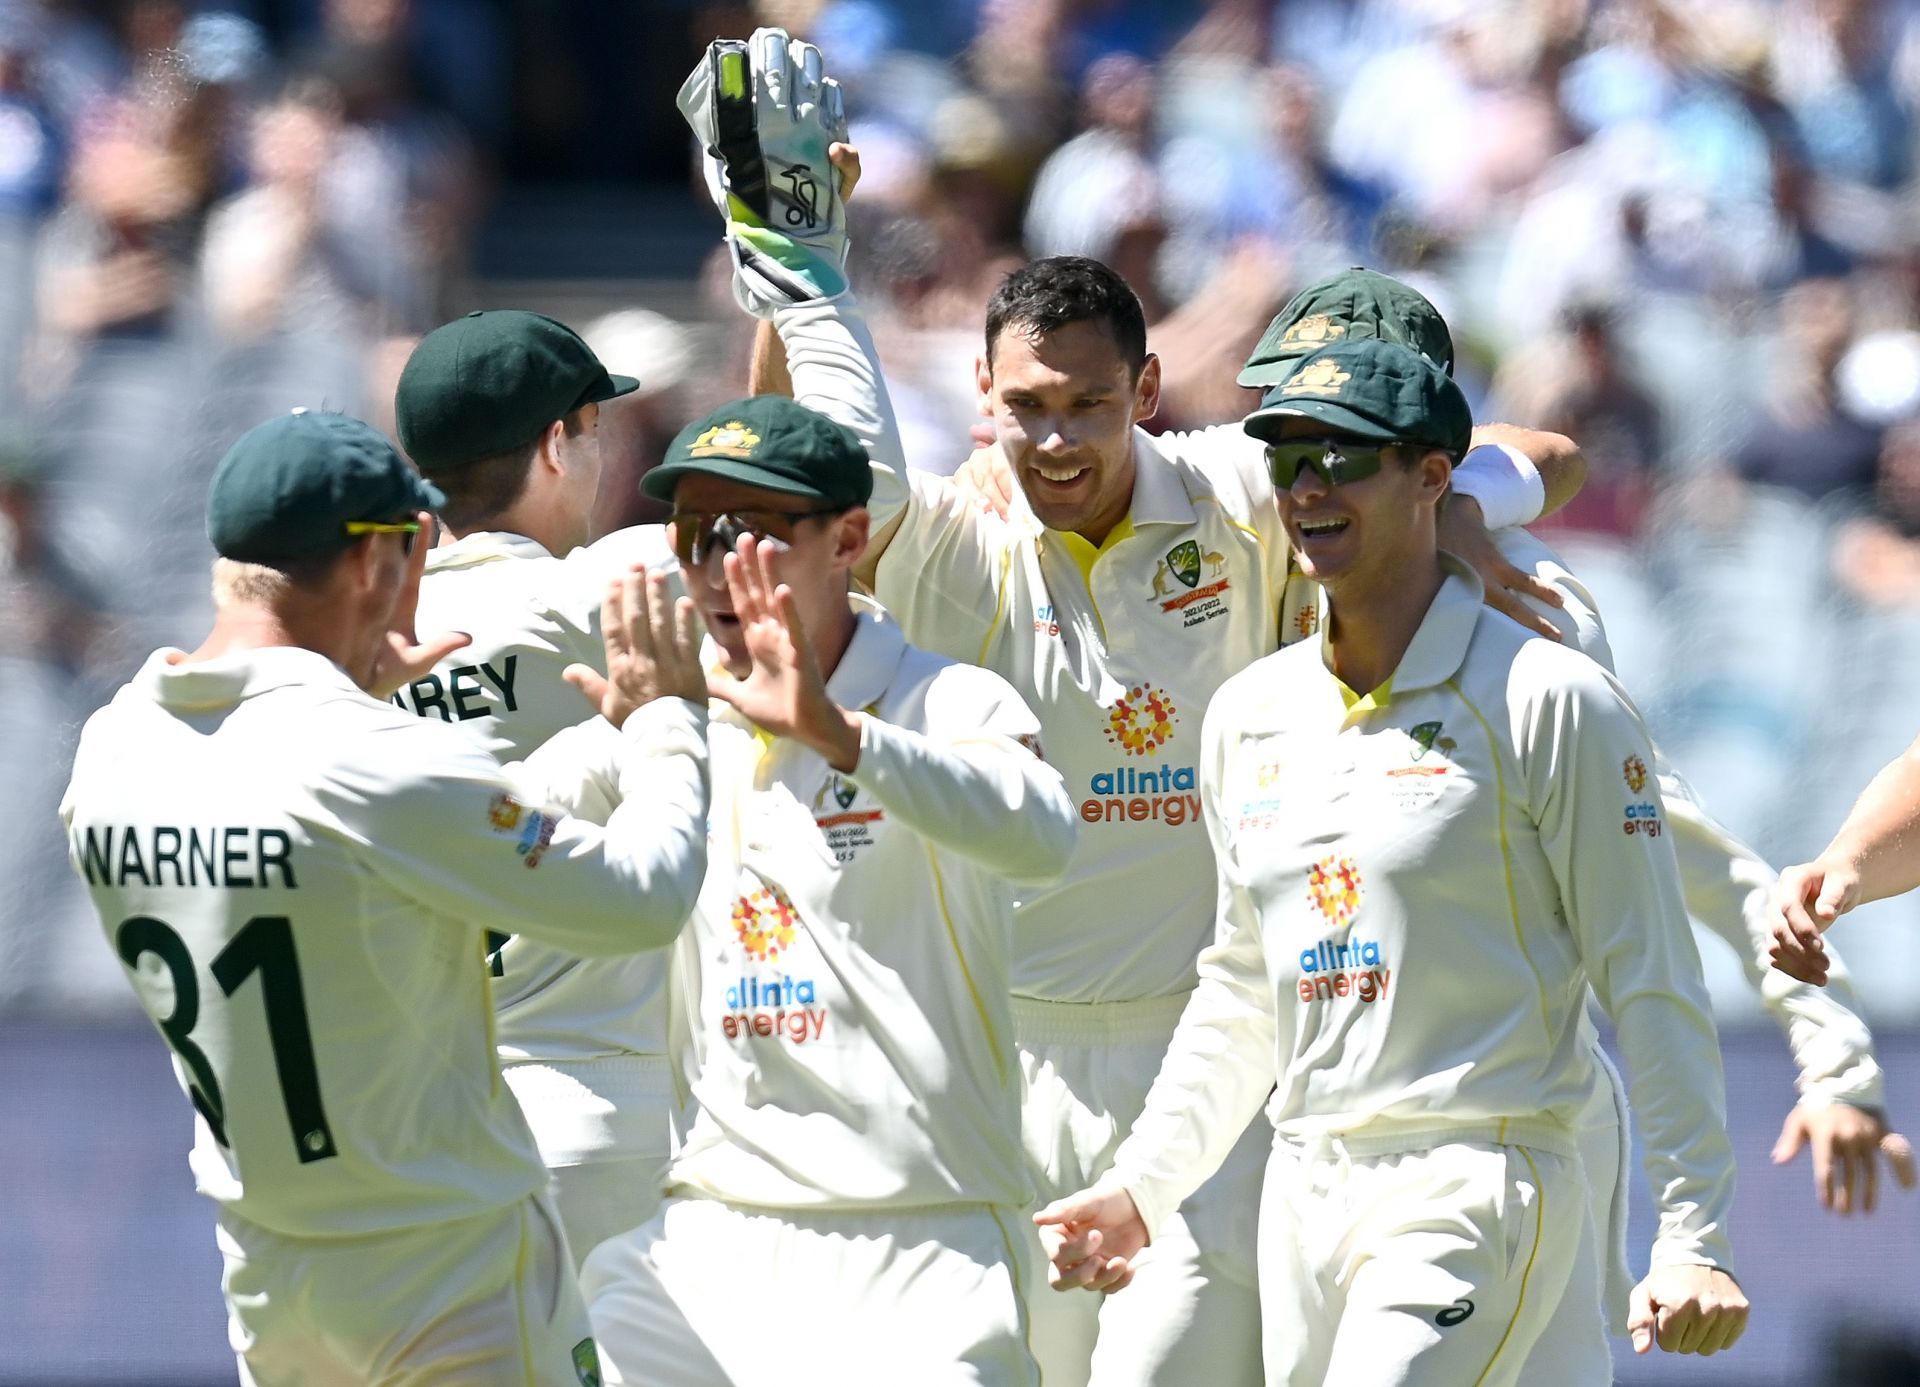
<point>1436,470</point>
<point>1146,390</point>
<point>983,382</point>
<point>547,451</point>
<point>852,530</point>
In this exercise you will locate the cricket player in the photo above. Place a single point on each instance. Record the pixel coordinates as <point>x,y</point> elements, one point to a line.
<point>1870,858</point>
<point>298,879</point>
<point>1725,884</point>
<point>501,410</point>
<point>848,1201</point>
<point>1127,586</point>
<point>1418,825</point>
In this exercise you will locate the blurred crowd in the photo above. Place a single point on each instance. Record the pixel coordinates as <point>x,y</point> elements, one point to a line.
<point>1686,233</point>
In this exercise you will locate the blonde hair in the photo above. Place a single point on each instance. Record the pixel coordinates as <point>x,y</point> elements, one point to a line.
<point>237,584</point>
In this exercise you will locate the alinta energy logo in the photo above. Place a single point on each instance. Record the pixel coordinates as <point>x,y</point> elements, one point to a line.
<point>1335,969</point>
<point>765,921</point>
<point>1642,816</point>
<point>779,1006</point>
<point>1141,723</point>
<point>1334,888</point>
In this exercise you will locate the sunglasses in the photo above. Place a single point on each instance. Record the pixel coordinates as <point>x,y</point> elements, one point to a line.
<point>1335,460</point>
<point>406,529</point>
<point>697,535</point>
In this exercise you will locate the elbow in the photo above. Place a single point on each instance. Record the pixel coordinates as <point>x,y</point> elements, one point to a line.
<point>1046,841</point>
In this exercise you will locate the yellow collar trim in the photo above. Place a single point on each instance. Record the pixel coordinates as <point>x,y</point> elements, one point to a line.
<point>1085,555</point>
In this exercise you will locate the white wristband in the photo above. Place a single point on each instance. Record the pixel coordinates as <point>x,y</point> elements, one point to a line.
<point>1505,483</point>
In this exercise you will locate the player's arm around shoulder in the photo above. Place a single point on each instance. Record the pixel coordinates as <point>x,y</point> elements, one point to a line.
<point>963,766</point>
<point>1586,762</point>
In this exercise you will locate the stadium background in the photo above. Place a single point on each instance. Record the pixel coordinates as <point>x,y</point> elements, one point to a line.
<point>1686,234</point>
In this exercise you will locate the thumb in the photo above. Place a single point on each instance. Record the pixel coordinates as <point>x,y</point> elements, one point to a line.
<point>1793,1136</point>
<point>591,683</point>
<point>1640,1319</point>
<point>435,650</point>
<point>1899,1153</point>
<point>1833,894</point>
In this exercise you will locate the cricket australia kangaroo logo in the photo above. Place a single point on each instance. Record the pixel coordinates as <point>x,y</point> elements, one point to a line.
<point>765,921</point>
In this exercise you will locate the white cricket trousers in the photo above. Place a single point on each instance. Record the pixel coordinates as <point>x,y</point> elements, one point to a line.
<point>604,1129</point>
<point>488,1301</point>
<point>1434,1267</point>
<point>1192,1312</point>
<point>712,1294</point>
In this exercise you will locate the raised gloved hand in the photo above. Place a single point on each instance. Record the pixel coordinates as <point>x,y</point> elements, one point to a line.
<point>766,113</point>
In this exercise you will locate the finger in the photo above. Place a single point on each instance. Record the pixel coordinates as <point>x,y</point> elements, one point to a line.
<point>1693,1332</point>
<point>1823,1174</point>
<point>1832,900</point>
<point>1114,1275</point>
<point>1736,1325</point>
<point>788,611</point>
<point>844,157</point>
<point>1797,890</point>
<point>660,623</point>
<point>1069,1210</point>
<point>1640,1319</point>
<point>812,72</point>
<point>833,116</point>
<point>1867,1162</point>
<point>1899,1153</point>
<point>1793,1135</point>
<point>725,688</point>
<point>591,683</point>
<point>775,72</point>
<point>740,587</point>
<point>1673,1324</point>
<point>1722,1328</point>
<point>1502,600</point>
<point>687,632</point>
<point>1524,584</point>
<point>1846,1174</point>
<point>613,623</point>
<point>633,602</point>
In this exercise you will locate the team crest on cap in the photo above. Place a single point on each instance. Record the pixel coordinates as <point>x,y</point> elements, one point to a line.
<point>1317,328</point>
<point>732,439</point>
<point>1635,771</point>
<point>1334,888</point>
<point>1320,378</point>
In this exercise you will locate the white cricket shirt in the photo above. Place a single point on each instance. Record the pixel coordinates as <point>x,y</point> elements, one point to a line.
<point>1414,893</point>
<point>531,615</point>
<point>844,982</point>
<point>298,878</point>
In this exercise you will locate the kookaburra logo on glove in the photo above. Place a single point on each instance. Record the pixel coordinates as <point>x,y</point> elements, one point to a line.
<point>766,114</point>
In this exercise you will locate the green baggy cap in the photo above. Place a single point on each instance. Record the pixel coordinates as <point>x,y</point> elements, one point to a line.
<point>769,441</point>
<point>493,381</point>
<point>1374,390</point>
<point>1352,304</point>
<point>289,488</point>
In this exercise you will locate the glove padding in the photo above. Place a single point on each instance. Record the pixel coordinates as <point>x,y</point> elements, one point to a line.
<point>765,113</point>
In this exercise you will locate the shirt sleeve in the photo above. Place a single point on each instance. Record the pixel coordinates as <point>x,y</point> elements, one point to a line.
<point>1603,827</point>
<point>835,370</point>
<point>1728,888</point>
<point>1221,1063</point>
<point>983,792</point>
<point>455,831</point>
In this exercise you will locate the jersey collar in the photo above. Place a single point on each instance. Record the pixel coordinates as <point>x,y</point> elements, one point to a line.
<point>1439,646</point>
<point>226,681</point>
<point>484,546</point>
<point>872,657</point>
<point>1159,494</point>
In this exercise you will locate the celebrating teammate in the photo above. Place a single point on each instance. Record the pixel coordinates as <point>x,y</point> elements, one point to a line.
<point>298,879</point>
<point>853,1161</point>
<point>501,410</point>
<point>1417,826</point>
<point>1872,857</point>
<point>1128,586</point>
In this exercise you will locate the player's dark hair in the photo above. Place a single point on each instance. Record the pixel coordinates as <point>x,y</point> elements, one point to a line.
<point>484,490</point>
<point>1045,295</point>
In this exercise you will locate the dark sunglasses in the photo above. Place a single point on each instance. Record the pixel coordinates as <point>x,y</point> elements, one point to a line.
<point>1335,460</point>
<point>700,534</point>
<point>406,529</point>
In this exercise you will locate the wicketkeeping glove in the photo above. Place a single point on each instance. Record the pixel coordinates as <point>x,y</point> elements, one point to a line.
<point>765,113</point>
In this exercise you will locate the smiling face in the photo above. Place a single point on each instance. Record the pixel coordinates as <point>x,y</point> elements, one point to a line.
<point>1063,405</point>
<point>1357,533</point>
<point>820,552</point>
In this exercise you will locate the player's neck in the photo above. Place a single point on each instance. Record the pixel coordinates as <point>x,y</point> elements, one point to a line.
<point>1373,617</point>
<point>242,626</point>
<point>831,635</point>
<point>559,535</point>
